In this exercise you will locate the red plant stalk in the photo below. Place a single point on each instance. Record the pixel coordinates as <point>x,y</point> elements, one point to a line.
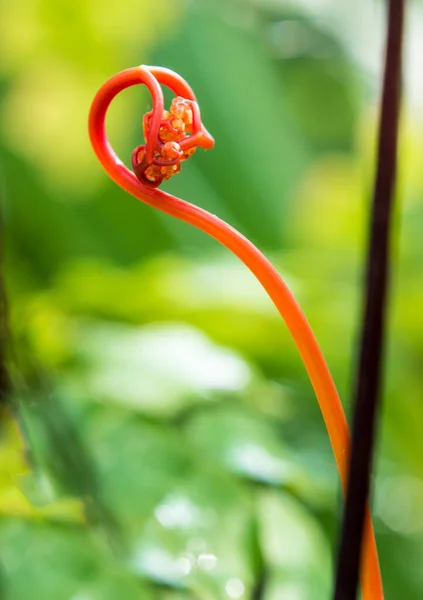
<point>170,138</point>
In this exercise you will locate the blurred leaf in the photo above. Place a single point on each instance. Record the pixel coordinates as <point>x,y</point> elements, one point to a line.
<point>44,561</point>
<point>322,84</point>
<point>219,296</point>
<point>13,462</point>
<point>159,369</point>
<point>137,463</point>
<point>243,443</point>
<point>16,478</point>
<point>286,587</point>
<point>294,548</point>
<point>201,537</point>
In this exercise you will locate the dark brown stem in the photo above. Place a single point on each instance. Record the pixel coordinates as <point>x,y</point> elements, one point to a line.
<point>367,395</point>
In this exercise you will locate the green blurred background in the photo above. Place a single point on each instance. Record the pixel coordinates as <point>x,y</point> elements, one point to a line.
<point>165,442</point>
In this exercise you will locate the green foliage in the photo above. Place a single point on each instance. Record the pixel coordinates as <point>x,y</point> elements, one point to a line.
<point>164,441</point>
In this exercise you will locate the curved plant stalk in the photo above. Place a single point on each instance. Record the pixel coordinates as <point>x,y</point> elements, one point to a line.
<point>155,161</point>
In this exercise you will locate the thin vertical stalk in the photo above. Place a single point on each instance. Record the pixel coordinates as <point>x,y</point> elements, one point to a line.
<point>367,393</point>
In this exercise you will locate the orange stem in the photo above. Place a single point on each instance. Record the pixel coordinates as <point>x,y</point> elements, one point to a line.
<point>259,265</point>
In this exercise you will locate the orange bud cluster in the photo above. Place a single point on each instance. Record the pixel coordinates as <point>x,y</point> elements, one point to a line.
<point>176,124</point>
